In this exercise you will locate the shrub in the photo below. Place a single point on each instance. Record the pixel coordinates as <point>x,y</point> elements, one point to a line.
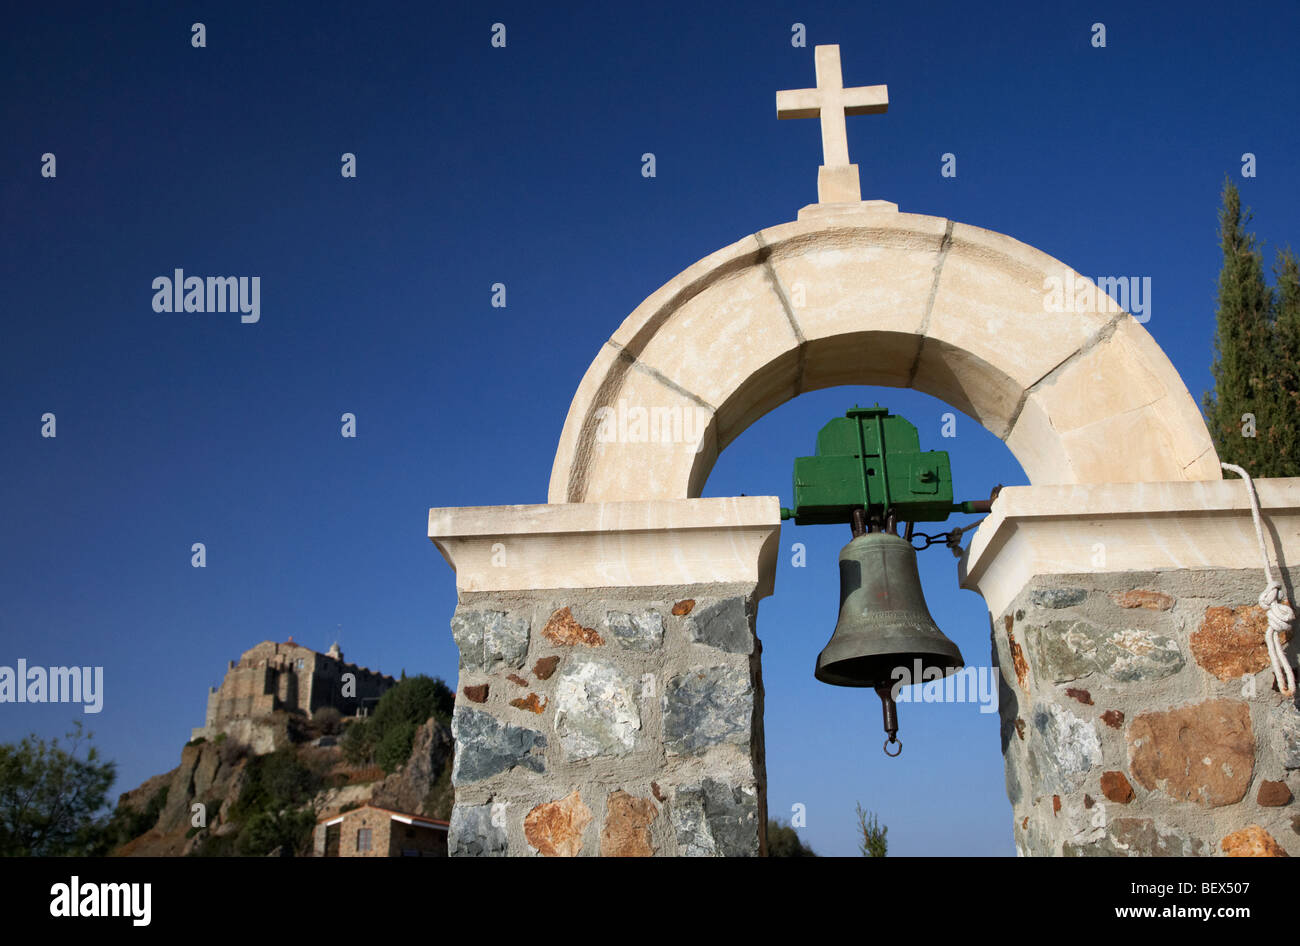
<point>784,841</point>
<point>127,825</point>
<point>276,781</point>
<point>327,720</point>
<point>231,750</point>
<point>266,831</point>
<point>358,743</point>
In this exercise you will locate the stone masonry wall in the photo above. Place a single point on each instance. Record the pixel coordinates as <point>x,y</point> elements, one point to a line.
<point>1139,717</point>
<point>607,723</point>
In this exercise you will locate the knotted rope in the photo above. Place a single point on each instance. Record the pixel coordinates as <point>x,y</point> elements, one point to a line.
<point>1279,612</point>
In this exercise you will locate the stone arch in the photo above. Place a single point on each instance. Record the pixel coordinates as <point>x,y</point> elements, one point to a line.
<point>868,295</point>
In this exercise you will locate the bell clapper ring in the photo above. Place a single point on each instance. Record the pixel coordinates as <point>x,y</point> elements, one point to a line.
<point>885,692</point>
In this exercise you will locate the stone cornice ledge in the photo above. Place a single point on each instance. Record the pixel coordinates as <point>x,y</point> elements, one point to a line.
<point>611,545</point>
<point>1117,527</point>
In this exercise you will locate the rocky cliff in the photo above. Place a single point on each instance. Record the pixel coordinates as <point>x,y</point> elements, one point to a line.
<point>222,797</point>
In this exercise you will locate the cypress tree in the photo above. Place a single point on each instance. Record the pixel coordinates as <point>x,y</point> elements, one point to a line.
<point>1245,399</point>
<point>1287,362</point>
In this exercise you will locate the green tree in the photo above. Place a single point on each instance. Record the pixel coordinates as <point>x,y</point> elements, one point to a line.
<point>784,841</point>
<point>1287,362</point>
<point>52,802</point>
<point>386,737</point>
<point>275,782</point>
<point>268,830</point>
<point>874,842</point>
<point>403,710</point>
<point>1251,411</point>
<point>358,743</point>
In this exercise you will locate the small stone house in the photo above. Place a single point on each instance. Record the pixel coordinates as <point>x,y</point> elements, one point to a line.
<point>371,831</point>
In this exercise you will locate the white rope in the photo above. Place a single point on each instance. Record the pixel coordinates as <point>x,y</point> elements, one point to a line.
<point>954,537</point>
<point>1279,612</point>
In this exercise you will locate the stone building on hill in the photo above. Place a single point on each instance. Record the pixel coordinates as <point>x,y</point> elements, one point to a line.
<point>274,676</point>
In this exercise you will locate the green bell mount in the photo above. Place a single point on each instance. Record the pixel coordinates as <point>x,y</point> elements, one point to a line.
<point>869,471</point>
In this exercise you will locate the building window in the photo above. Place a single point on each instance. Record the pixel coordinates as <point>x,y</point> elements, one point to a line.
<point>363,839</point>
<point>300,661</point>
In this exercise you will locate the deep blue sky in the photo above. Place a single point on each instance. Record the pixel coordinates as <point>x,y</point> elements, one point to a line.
<point>522,165</point>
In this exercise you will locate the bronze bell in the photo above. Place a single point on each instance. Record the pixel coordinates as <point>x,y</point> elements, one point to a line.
<point>884,624</point>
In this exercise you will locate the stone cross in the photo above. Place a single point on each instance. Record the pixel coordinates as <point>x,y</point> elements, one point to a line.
<point>837,179</point>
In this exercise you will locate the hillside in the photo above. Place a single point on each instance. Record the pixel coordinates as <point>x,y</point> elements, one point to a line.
<point>262,790</point>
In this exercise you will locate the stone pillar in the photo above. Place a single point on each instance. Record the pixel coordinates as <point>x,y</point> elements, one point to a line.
<point>1139,714</point>
<point>610,699</point>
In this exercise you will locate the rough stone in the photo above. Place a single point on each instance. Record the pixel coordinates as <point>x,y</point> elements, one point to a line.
<point>1230,641</point>
<point>486,746</point>
<point>1113,718</point>
<point>474,832</point>
<point>1115,786</point>
<point>1011,774</point>
<point>682,608</point>
<point>595,711</point>
<point>1285,733</point>
<point>476,694</point>
<point>1136,837</point>
<point>627,826</point>
<point>516,679</point>
<point>1063,747</point>
<point>1273,794</point>
<point>724,625</point>
<point>1018,661</point>
<point>1055,598</point>
<point>1252,841</point>
<point>714,819</point>
<point>564,630</point>
<point>531,702</point>
<point>707,707</point>
<point>555,828</point>
<point>1083,696</point>
<point>490,640</point>
<point>643,630</point>
<point>1138,598</point>
<point>1204,753</point>
<point>1067,650</point>
<point>658,792</point>
<point>545,666</point>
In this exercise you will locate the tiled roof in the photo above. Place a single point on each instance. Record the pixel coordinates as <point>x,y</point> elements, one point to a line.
<point>418,819</point>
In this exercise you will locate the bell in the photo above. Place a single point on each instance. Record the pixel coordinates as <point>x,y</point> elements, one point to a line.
<point>885,633</point>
